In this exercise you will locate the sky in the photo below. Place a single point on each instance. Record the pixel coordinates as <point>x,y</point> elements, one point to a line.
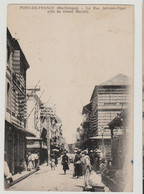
<point>71,53</point>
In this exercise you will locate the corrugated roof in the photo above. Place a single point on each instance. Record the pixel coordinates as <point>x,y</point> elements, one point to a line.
<point>119,79</point>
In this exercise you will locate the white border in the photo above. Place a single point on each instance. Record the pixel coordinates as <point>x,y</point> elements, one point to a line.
<point>137,181</point>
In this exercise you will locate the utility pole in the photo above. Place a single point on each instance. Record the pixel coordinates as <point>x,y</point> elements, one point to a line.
<point>48,140</point>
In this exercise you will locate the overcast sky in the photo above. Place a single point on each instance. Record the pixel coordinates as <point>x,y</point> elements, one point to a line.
<point>71,53</point>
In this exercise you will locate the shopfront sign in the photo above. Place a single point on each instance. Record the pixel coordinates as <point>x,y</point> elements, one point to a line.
<point>33,144</point>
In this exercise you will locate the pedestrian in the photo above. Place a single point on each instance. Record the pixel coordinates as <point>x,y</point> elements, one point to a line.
<point>7,175</point>
<point>22,166</point>
<point>97,158</point>
<point>77,161</point>
<point>82,162</point>
<point>87,169</point>
<point>26,159</point>
<point>30,164</point>
<point>92,159</point>
<point>65,162</point>
<point>33,159</point>
<point>52,164</point>
<point>74,173</point>
<point>36,160</point>
<point>56,160</point>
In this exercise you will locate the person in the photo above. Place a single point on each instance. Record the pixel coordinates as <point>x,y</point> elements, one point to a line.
<point>92,159</point>
<point>33,159</point>
<point>74,173</point>
<point>77,162</point>
<point>52,164</point>
<point>7,175</point>
<point>87,169</point>
<point>97,157</point>
<point>56,160</point>
<point>22,166</point>
<point>30,164</point>
<point>36,160</point>
<point>26,159</point>
<point>82,162</point>
<point>65,162</point>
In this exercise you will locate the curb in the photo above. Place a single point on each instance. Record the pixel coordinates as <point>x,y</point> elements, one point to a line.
<point>21,178</point>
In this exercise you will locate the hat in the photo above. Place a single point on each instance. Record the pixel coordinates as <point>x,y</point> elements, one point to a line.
<point>91,151</point>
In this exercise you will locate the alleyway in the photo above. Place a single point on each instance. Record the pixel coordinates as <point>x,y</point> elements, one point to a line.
<point>50,180</point>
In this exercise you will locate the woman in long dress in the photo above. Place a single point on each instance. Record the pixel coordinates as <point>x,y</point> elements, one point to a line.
<point>78,167</point>
<point>65,162</point>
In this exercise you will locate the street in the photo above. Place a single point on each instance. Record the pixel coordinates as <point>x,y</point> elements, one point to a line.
<point>50,180</point>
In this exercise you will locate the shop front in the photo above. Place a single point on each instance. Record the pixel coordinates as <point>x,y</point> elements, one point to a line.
<point>15,146</point>
<point>38,145</point>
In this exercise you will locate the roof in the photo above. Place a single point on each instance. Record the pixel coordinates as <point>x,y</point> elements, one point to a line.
<point>118,120</point>
<point>87,108</point>
<point>118,80</point>
<point>16,46</point>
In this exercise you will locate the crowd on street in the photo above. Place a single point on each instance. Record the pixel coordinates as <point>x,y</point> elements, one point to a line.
<point>86,164</point>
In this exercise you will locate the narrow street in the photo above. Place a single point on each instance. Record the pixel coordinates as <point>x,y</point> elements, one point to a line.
<point>50,180</point>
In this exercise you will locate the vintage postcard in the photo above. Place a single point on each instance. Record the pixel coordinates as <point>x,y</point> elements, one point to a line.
<point>69,107</point>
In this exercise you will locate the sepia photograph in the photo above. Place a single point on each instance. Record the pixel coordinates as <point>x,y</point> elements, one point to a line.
<point>69,98</point>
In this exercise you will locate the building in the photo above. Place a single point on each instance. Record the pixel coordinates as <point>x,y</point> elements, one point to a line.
<point>56,133</point>
<point>108,99</point>
<point>33,124</point>
<point>51,129</point>
<point>118,127</point>
<point>33,121</point>
<point>114,175</point>
<point>15,113</point>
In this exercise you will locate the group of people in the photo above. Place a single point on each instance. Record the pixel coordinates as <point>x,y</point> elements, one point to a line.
<point>93,158</point>
<point>32,161</point>
<point>84,162</point>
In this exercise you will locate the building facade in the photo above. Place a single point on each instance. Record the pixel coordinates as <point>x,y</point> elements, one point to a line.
<point>15,113</point>
<point>107,101</point>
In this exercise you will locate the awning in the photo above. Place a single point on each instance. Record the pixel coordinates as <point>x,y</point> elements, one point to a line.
<point>100,137</point>
<point>34,138</point>
<point>16,127</point>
